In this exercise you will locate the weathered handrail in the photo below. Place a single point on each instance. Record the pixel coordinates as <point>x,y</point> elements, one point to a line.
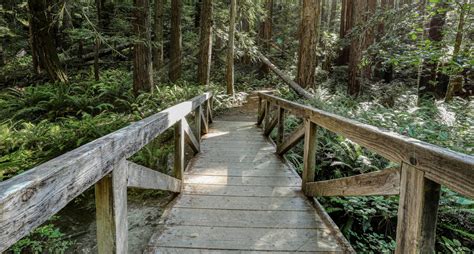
<point>424,167</point>
<point>29,199</point>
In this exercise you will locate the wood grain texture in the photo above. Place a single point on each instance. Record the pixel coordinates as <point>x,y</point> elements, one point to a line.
<point>271,125</point>
<point>197,124</point>
<point>111,211</point>
<point>29,199</point>
<point>452,169</point>
<point>145,178</point>
<point>309,156</point>
<point>178,166</point>
<point>189,136</point>
<point>383,182</point>
<point>291,140</point>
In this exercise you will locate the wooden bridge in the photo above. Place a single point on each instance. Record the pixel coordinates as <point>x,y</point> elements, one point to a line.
<point>237,194</point>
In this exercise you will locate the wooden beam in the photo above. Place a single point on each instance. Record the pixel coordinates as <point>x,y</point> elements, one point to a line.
<point>417,212</point>
<point>197,123</point>
<point>29,199</point>
<point>111,211</point>
<point>179,150</point>
<point>453,169</point>
<point>209,110</point>
<point>291,141</point>
<point>271,125</point>
<point>204,125</point>
<point>145,178</point>
<point>266,118</point>
<point>261,113</point>
<point>309,156</point>
<point>189,136</point>
<point>281,125</point>
<point>383,182</point>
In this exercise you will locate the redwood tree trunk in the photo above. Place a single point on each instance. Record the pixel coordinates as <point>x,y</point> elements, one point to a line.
<point>158,56</point>
<point>358,9</point>
<point>175,41</point>
<point>307,42</point>
<point>205,52</point>
<point>229,77</point>
<point>142,64</point>
<point>266,32</point>
<point>369,36</point>
<point>45,56</point>
<point>345,27</point>
<point>332,16</point>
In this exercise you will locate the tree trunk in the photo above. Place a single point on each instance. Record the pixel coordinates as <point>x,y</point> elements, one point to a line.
<point>266,32</point>
<point>142,62</point>
<point>332,17</point>
<point>345,27</point>
<point>205,52</point>
<point>429,87</point>
<point>175,41</point>
<point>45,56</point>
<point>358,9</point>
<point>197,13</point>
<point>158,55</point>
<point>323,17</point>
<point>229,77</point>
<point>369,36</point>
<point>307,42</point>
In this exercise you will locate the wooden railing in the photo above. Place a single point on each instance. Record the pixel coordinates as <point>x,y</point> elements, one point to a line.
<point>424,167</point>
<point>29,199</point>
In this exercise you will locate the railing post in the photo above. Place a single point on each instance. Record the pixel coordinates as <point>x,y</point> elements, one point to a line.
<point>266,119</point>
<point>281,125</point>
<point>111,211</point>
<point>309,157</point>
<point>209,109</point>
<point>197,123</point>
<point>179,150</point>
<point>417,212</point>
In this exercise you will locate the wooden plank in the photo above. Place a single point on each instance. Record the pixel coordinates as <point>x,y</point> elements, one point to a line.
<point>244,218</point>
<point>271,125</point>
<point>51,185</point>
<point>217,169</point>
<point>412,226</point>
<point>291,141</point>
<point>453,169</point>
<point>243,203</point>
<point>261,115</point>
<point>268,113</point>
<point>111,211</point>
<point>281,125</point>
<point>258,239</point>
<point>178,165</point>
<point>145,178</point>
<point>260,109</point>
<point>251,180</point>
<point>189,136</point>
<point>309,156</point>
<point>209,110</point>
<point>204,125</point>
<point>197,124</point>
<point>383,182</point>
<point>242,190</point>
<point>175,250</point>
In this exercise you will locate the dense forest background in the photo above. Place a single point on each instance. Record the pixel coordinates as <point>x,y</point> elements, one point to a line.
<point>73,71</point>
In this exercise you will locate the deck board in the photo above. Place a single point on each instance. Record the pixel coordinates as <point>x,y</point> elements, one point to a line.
<point>239,197</point>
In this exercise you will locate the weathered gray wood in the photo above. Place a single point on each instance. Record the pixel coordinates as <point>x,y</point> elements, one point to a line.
<point>281,125</point>
<point>417,200</point>
<point>271,125</point>
<point>242,169</point>
<point>261,111</point>
<point>383,182</point>
<point>309,156</point>
<point>31,198</point>
<point>189,136</point>
<point>455,170</point>
<point>197,124</point>
<point>268,114</point>
<point>204,125</point>
<point>175,250</point>
<point>111,211</point>
<point>291,141</point>
<point>241,190</point>
<point>178,165</point>
<point>283,181</point>
<point>145,178</point>
<point>209,110</point>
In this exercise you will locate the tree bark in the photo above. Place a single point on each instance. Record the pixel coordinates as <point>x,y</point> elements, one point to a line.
<point>369,36</point>
<point>345,27</point>
<point>45,56</point>
<point>429,87</point>
<point>332,17</point>
<point>358,8</point>
<point>142,62</point>
<point>307,42</point>
<point>175,41</point>
<point>205,52</point>
<point>229,77</point>
<point>197,13</point>
<point>158,54</point>
<point>266,32</point>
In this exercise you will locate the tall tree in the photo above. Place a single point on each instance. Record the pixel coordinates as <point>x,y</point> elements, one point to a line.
<point>332,16</point>
<point>158,54</point>
<point>358,9</point>
<point>345,27</point>
<point>229,77</point>
<point>369,35</point>
<point>45,56</point>
<point>205,51</point>
<point>307,42</point>
<point>142,62</point>
<point>175,41</point>
<point>428,86</point>
<point>266,32</point>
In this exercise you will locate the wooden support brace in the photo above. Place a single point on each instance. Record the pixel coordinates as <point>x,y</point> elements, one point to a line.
<point>281,125</point>
<point>271,125</point>
<point>197,123</point>
<point>309,157</point>
<point>189,136</point>
<point>383,182</point>
<point>204,125</point>
<point>179,150</point>
<point>261,113</point>
<point>291,141</point>
<point>111,211</point>
<point>145,178</point>
<point>266,118</point>
<point>417,212</point>
<point>209,110</point>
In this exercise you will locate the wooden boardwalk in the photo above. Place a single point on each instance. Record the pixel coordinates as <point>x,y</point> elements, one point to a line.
<point>238,196</point>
